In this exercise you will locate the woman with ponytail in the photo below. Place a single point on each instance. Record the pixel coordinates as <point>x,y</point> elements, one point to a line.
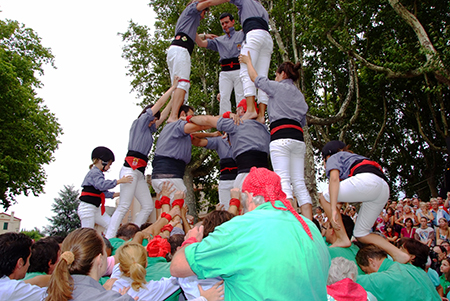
<point>82,263</point>
<point>287,115</point>
<point>131,272</point>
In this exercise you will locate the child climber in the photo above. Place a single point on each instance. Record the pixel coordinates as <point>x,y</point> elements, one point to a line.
<point>95,189</point>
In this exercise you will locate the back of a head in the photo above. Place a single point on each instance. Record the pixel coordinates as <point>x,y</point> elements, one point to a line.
<point>341,268</point>
<point>349,225</point>
<point>175,241</point>
<point>369,251</point>
<point>78,252</point>
<point>214,219</point>
<point>133,260</point>
<point>13,246</point>
<point>418,250</point>
<point>43,252</point>
<point>290,70</point>
<point>127,231</point>
<point>185,109</point>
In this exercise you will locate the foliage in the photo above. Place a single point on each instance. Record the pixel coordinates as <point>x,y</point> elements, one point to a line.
<point>28,130</point>
<point>369,77</point>
<point>66,217</point>
<point>34,234</point>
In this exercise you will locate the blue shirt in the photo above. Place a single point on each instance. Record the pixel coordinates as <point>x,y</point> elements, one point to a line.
<point>228,46</point>
<point>189,21</point>
<point>96,178</point>
<point>250,8</point>
<point>221,146</point>
<point>174,143</point>
<point>141,135</point>
<point>343,162</point>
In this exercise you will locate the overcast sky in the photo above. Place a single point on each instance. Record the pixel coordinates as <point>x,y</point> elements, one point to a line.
<point>88,92</point>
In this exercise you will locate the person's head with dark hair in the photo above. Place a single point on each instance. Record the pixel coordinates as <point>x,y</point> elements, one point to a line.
<point>109,247</point>
<point>145,226</point>
<point>316,222</point>
<point>15,249</point>
<point>416,250</point>
<point>370,258</point>
<point>287,70</point>
<point>157,115</point>
<point>127,231</point>
<point>227,22</point>
<point>214,219</point>
<point>59,239</point>
<point>175,241</point>
<point>330,234</point>
<point>44,256</point>
<point>185,110</point>
<point>390,211</point>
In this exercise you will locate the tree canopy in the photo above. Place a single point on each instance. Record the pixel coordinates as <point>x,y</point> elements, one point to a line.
<point>28,130</point>
<point>66,217</point>
<point>375,75</point>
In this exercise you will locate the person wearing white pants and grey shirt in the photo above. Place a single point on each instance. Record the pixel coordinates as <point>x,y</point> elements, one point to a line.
<point>139,145</point>
<point>287,114</point>
<point>229,46</point>
<point>258,43</point>
<point>356,179</point>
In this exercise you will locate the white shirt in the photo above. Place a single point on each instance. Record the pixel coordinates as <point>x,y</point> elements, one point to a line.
<point>13,290</point>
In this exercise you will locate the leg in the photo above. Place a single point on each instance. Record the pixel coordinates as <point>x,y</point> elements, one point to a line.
<point>382,243</point>
<point>102,220</point>
<point>342,240</point>
<point>240,180</point>
<point>179,62</point>
<point>224,192</point>
<point>238,90</point>
<point>225,88</point>
<point>280,157</point>
<point>86,212</point>
<point>126,197</point>
<point>262,65</point>
<point>297,177</point>
<point>144,197</point>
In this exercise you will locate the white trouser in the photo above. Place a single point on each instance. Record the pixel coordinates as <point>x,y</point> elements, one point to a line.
<point>137,189</point>
<point>240,180</point>
<point>368,189</point>
<point>227,81</point>
<point>288,161</point>
<point>91,215</point>
<point>179,62</point>
<point>260,45</point>
<point>224,192</point>
<point>178,185</point>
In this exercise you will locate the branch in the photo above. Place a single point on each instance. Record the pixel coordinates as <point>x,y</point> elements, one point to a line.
<point>431,54</point>
<point>352,67</point>
<point>273,28</point>
<point>422,133</point>
<point>330,120</point>
<point>381,131</point>
<point>293,35</point>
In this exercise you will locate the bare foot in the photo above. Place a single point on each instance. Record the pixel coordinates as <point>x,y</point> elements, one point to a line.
<point>170,119</point>
<point>261,119</point>
<point>345,243</point>
<point>249,115</point>
<point>401,257</point>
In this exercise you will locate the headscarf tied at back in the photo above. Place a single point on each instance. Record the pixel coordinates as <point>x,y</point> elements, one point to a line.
<point>266,183</point>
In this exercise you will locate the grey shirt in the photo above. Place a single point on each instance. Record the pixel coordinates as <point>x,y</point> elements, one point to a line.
<point>189,21</point>
<point>86,288</point>
<point>174,143</point>
<point>141,135</point>
<point>221,146</point>
<point>250,8</point>
<point>96,178</point>
<point>228,46</point>
<point>250,135</point>
<point>342,161</point>
<point>285,100</point>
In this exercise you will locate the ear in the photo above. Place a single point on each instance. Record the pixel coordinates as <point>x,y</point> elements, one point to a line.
<point>19,263</point>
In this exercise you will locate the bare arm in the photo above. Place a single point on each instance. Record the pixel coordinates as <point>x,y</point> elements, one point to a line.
<point>200,142</point>
<point>208,3</point>
<point>206,134</point>
<point>160,102</point>
<point>179,266</point>
<point>164,113</point>
<point>334,191</point>
<point>200,42</point>
<point>192,128</point>
<point>206,120</point>
<point>247,59</point>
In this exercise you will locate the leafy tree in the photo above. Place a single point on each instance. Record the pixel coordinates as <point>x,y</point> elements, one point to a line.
<point>375,75</point>
<point>34,234</point>
<point>28,130</point>
<point>66,217</point>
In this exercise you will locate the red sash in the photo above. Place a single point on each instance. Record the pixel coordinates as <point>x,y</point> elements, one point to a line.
<point>101,196</point>
<point>285,126</point>
<point>135,163</point>
<point>228,168</point>
<point>364,162</point>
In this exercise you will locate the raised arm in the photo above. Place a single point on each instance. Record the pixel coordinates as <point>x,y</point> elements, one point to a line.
<point>208,3</point>
<point>160,102</point>
<point>247,59</point>
<point>205,120</point>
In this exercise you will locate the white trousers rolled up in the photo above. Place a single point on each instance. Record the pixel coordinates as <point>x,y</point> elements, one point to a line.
<point>259,44</point>
<point>224,192</point>
<point>288,161</point>
<point>179,63</point>
<point>128,191</point>
<point>91,215</point>
<point>368,189</point>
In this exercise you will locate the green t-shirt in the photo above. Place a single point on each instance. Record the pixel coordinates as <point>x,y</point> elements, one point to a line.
<point>158,267</point>
<point>395,281</point>
<point>348,253</point>
<point>264,254</point>
<point>116,243</point>
<point>444,283</point>
<point>33,274</point>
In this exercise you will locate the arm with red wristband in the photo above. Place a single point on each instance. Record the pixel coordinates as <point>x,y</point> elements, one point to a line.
<point>166,190</point>
<point>235,202</point>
